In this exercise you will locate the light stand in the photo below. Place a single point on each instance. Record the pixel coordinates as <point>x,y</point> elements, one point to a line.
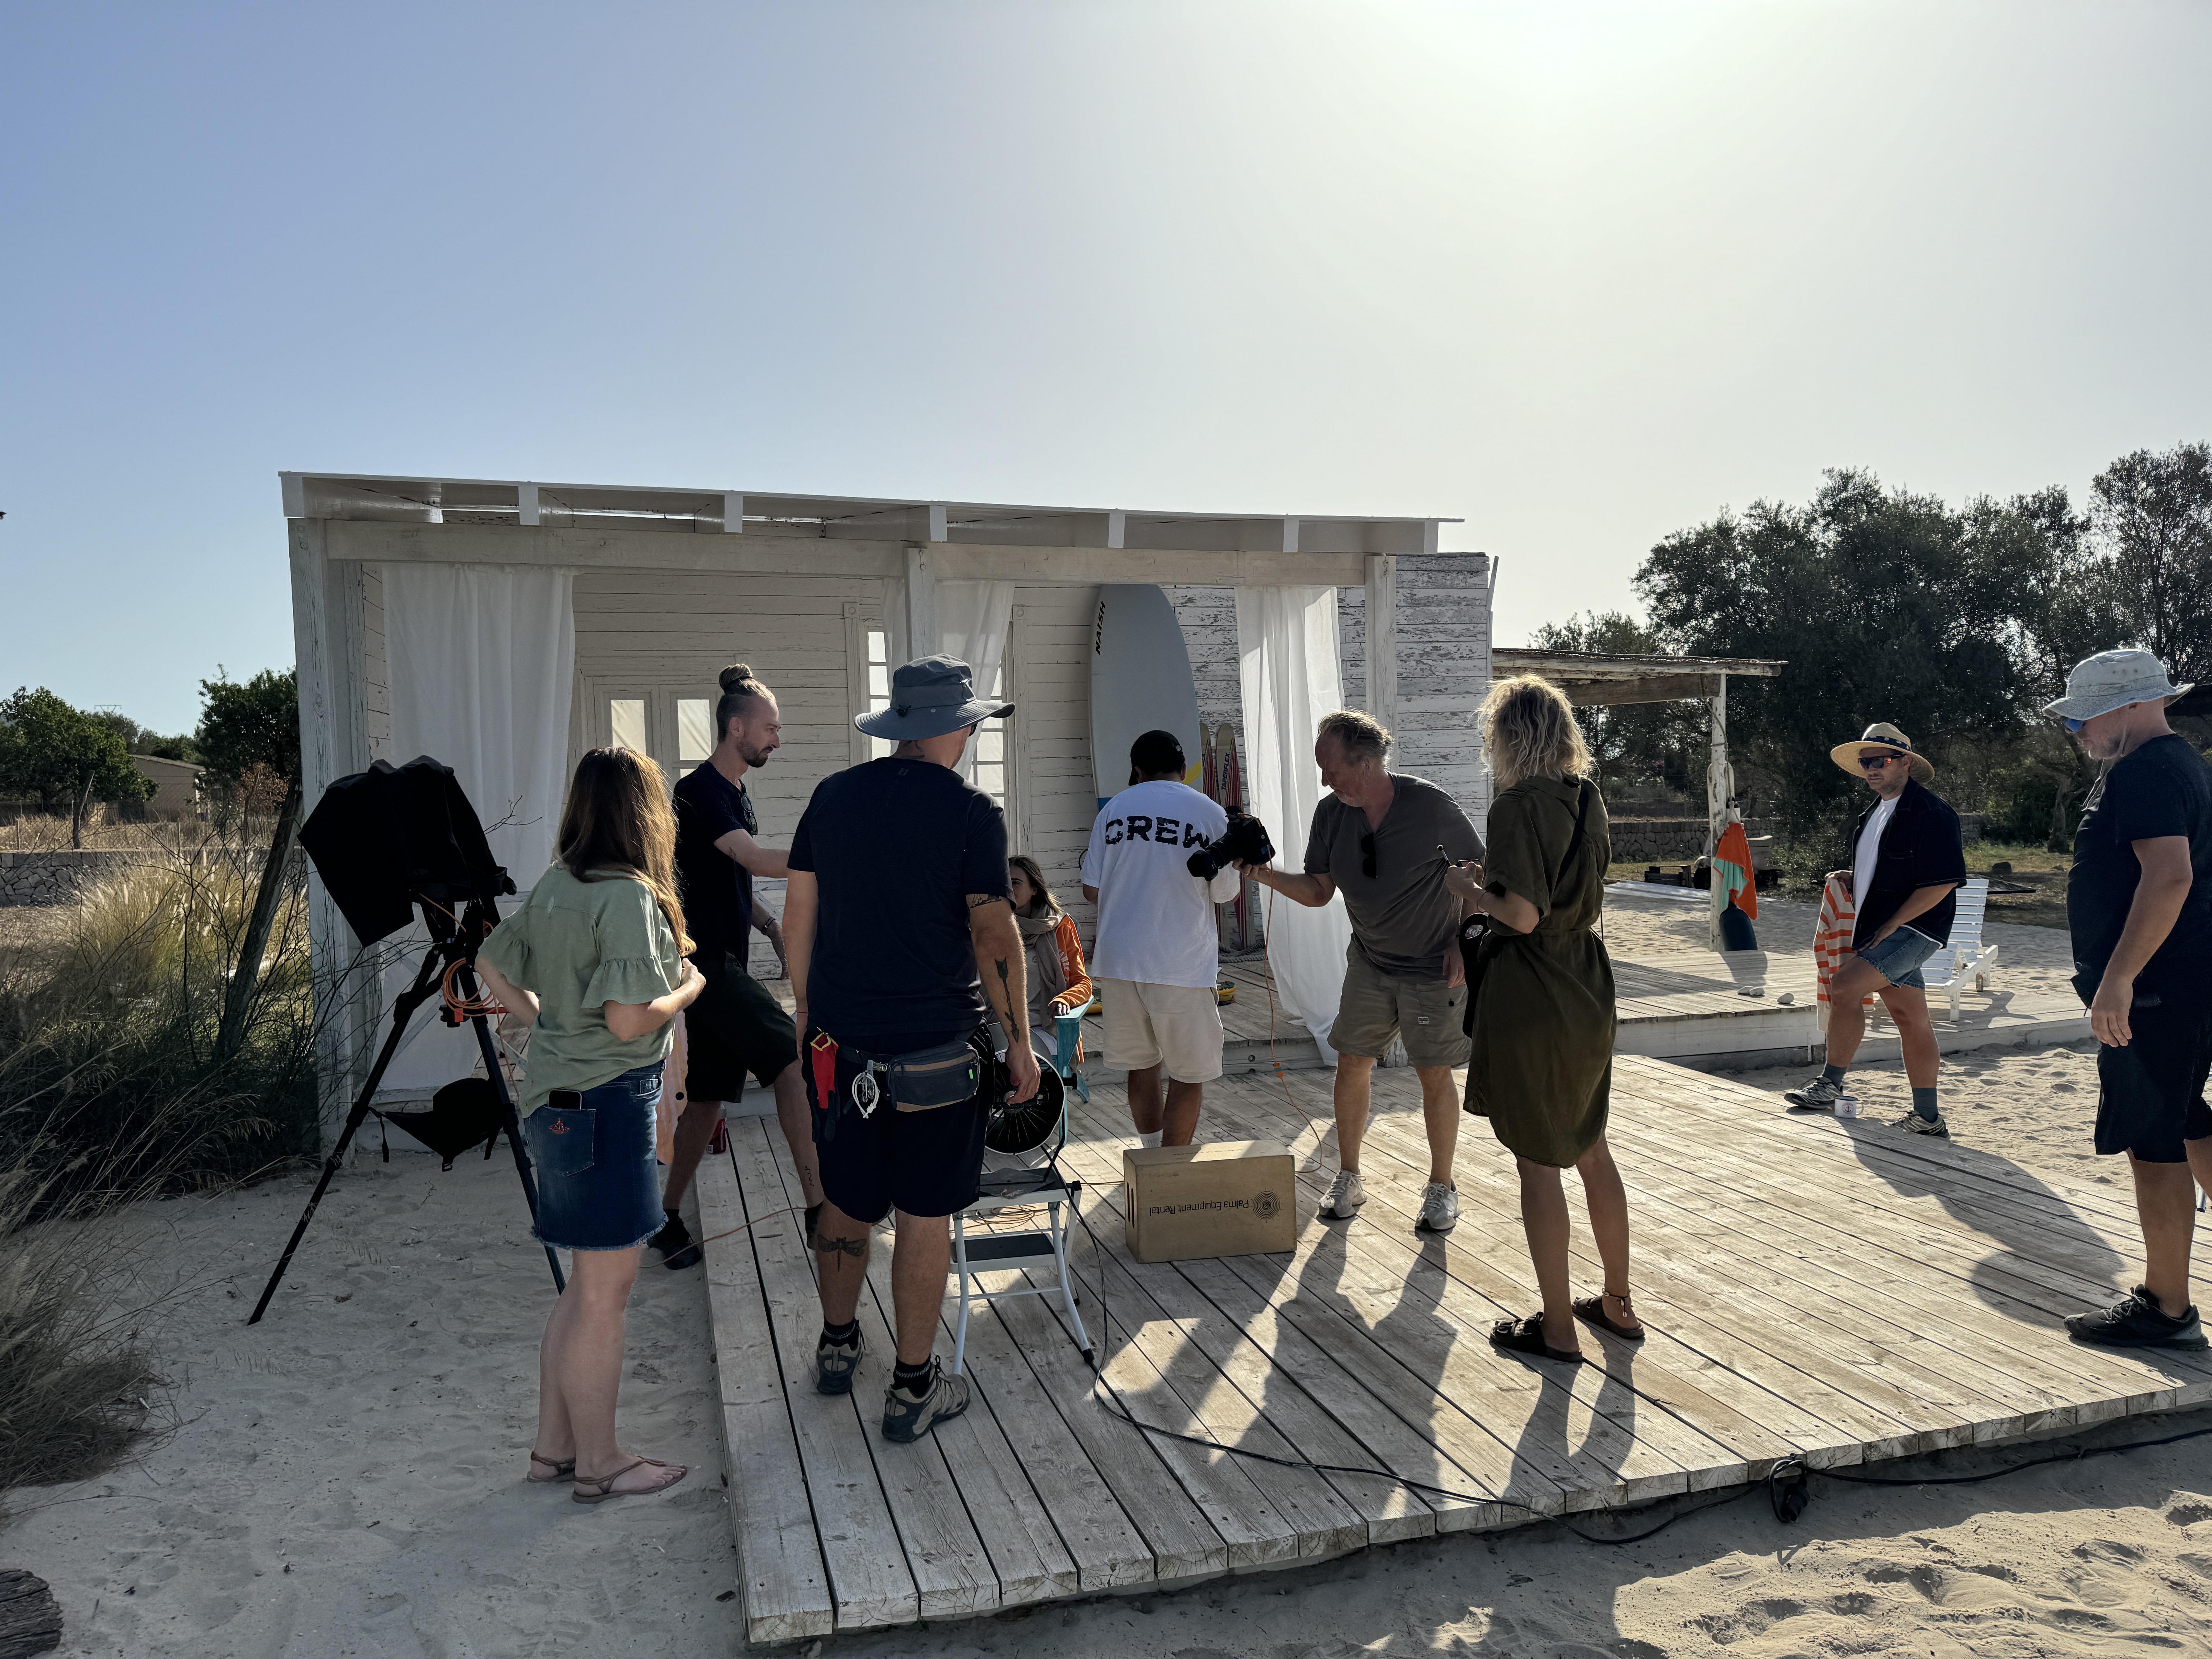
<point>451,948</point>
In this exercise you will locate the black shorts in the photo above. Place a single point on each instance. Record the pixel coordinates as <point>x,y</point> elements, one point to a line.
<point>2150,1095</point>
<point>735,1026</point>
<point>924,1160</point>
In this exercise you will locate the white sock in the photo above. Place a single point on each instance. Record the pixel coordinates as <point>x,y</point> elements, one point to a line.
<point>1149,1137</point>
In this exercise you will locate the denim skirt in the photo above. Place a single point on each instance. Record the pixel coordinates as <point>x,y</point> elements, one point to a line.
<point>598,1174</point>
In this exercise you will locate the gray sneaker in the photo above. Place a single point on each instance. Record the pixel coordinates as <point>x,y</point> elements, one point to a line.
<point>1817,1095</point>
<point>1345,1194</point>
<point>1913,1123</point>
<point>836,1362</point>
<point>908,1417</point>
<point>1439,1208</point>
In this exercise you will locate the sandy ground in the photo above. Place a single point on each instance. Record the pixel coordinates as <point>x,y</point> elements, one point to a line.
<point>346,1478</point>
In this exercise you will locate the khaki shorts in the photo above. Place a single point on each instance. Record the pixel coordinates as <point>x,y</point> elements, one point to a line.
<point>1178,1026</point>
<point>1378,1007</point>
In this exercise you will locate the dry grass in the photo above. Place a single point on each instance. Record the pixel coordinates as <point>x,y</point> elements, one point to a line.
<point>51,835</point>
<point>110,1092</point>
<point>75,1377</point>
<point>108,1033</point>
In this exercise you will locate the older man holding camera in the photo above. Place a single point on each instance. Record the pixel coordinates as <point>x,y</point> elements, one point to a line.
<point>1384,839</point>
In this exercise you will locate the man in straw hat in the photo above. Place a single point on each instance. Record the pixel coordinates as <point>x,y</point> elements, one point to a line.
<point>899,929</point>
<point>1906,861</point>
<point>2139,906</point>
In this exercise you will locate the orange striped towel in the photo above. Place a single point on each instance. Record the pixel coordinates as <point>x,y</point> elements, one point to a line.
<point>1832,938</point>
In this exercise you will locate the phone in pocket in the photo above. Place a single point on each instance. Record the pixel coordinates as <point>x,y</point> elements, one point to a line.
<point>565,1100</point>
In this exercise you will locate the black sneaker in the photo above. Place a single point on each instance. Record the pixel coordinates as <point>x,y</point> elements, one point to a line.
<point>908,1416</point>
<point>2137,1321</point>
<point>836,1362</point>
<point>675,1243</point>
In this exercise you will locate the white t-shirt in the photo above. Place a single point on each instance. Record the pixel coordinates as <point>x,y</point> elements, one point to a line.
<point>1869,851</point>
<point>1156,920</point>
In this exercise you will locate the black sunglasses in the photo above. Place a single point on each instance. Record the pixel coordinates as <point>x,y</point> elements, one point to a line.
<point>1367,855</point>
<point>1875,763</point>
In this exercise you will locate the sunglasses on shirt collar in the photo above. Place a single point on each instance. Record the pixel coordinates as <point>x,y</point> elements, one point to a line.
<point>1367,855</point>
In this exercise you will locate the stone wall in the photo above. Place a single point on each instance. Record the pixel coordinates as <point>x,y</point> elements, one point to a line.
<point>63,877</point>
<point>1679,840</point>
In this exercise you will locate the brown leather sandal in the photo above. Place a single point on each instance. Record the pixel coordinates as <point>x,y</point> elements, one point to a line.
<point>605,1485</point>
<point>564,1469</point>
<point>1527,1336</point>
<point>1591,1310</point>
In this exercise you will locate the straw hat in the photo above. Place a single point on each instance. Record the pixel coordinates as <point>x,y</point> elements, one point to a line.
<point>1882,735</point>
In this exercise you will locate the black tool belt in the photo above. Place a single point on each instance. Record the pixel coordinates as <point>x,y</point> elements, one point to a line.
<point>842,1083</point>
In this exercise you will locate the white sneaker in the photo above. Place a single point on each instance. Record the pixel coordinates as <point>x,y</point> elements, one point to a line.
<point>1439,1208</point>
<point>1345,1194</point>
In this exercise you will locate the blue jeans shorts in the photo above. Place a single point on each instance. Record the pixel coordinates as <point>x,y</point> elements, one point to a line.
<point>1899,957</point>
<point>599,1173</point>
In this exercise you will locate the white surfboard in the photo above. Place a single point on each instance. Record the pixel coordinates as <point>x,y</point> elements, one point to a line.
<point>1139,681</point>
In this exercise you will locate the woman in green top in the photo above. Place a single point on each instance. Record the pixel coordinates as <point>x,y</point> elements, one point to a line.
<point>1542,1016</point>
<point>594,964</point>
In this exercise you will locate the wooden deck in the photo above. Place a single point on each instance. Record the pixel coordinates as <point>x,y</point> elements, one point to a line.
<point>1724,1009</point>
<point>1812,1286</point>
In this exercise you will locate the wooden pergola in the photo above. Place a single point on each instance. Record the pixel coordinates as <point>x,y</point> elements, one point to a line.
<point>1594,679</point>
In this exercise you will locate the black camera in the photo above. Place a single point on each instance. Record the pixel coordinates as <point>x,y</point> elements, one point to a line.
<point>1244,841</point>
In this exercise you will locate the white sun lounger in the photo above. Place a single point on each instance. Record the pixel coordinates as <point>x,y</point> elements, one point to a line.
<point>1966,957</point>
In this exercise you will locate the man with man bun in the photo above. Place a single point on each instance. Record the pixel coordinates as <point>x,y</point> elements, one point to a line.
<point>736,1025</point>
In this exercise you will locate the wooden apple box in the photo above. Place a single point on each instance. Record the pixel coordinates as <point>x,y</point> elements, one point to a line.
<point>1225,1198</point>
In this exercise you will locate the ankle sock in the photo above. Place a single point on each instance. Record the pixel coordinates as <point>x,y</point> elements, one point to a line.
<point>914,1379</point>
<point>843,1336</point>
<point>1149,1137</point>
<point>1924,1103</point>
<point>1832,1073</point>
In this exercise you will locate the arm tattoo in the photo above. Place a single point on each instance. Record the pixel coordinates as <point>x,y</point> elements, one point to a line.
<point>977,900</point>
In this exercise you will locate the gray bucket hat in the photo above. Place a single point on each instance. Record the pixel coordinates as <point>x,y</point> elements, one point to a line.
<point>931,696</point>
<point>2113,679</point>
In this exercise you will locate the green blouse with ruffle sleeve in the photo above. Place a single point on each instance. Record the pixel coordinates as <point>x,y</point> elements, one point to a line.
<point>580,946</point>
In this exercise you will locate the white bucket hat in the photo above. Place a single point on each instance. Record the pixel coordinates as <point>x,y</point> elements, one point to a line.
<point>2113,679</point>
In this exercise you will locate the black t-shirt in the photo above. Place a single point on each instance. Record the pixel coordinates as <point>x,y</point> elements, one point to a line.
<point>717,890</point>
<point>2163,788</point>
<point>896,847</point>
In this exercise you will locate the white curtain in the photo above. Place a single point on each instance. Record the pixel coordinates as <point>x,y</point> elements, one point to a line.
<point>482,666</point>
<point>972,620</point>
<point>1287,667</point>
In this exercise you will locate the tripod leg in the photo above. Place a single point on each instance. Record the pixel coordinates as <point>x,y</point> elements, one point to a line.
<point>401,1011</point>
<point>514,1125</point>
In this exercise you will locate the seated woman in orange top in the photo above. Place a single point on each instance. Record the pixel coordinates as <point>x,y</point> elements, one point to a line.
<point>1059,983</point>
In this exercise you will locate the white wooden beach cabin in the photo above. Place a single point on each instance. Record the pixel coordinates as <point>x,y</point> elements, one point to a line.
<point>506,626</point>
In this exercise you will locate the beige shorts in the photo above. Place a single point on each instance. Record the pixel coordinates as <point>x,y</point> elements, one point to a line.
<point>1377,1006</point>
<point>1178,1026</point>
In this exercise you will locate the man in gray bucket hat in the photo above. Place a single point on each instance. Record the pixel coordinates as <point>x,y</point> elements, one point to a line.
<point>901,936</point>
<point>2139,908</point>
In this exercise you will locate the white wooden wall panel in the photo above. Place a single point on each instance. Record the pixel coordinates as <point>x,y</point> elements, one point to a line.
<point>1443,672</point>
<point>376,677</point>
<point>666,635</point>
<point>1057,792</point>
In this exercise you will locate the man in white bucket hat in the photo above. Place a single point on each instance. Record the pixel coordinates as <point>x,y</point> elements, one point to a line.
<point>2139,906</point>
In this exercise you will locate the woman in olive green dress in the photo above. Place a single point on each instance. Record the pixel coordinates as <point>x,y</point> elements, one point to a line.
<point>1542,1016</point>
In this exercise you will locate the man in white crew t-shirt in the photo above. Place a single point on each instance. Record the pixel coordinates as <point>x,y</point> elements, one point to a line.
<point>1157,956</point>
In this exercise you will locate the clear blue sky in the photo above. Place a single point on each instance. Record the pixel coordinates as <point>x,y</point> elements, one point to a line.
<point>1578,274</point>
